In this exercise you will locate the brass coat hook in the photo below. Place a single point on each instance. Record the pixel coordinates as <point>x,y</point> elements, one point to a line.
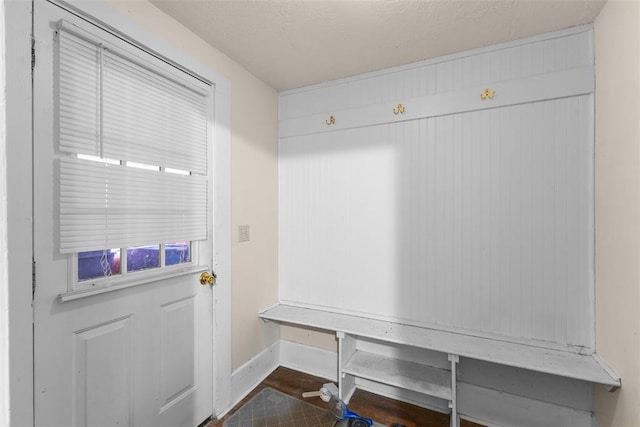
<point>331,121</point>
<point>487,94</point>
<point>399,109</point>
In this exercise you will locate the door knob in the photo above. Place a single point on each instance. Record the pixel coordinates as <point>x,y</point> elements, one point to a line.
<point>207,278</point>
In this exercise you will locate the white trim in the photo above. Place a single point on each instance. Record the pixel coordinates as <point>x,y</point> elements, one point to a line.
<point>221,251</point>
<point>559,84</point>
<point>146,277</point>
<point>15,287</point>
<point>4,247</point>
<point>445,58</point>
<point>248,376</point>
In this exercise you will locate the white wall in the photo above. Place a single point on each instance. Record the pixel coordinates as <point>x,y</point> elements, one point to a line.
<point>254,133</point>
<point>617,185</point>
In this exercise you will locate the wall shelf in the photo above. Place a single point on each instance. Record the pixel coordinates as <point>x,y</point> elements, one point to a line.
<point>354,363</point>
<point>566,363</point>
<point>399,373</point>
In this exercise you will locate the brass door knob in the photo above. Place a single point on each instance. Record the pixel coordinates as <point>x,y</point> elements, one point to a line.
<point>207,278</point>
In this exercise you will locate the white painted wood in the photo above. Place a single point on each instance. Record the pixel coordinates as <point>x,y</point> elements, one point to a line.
<point>16,346</point>
<point>548,388</point>
<point>405,352</point>
<point>595,422</point>
<point>106,16</point>
<point>404,395</point>
<point>346,380</point>
<point>573,82</point>
<point>562,397</point>
<point>4,249</point>
<point>170,370</point>
<point>545,53</point>
<point>495,408</point>
<point>482,211</point>
<point>455,418</point>
<point>483,221</point>
<point>102,366</point>
<point>567,363</point>
<point>607,368</point>
<point>464,229</point>
<point>178,369</point>
<point>312,360</point>
<point>399,373</point>
<point>150,278</point>
<point>221,250</point>
<point>323,363</point>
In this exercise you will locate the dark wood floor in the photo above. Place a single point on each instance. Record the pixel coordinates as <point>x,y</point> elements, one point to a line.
<point>382,410</point>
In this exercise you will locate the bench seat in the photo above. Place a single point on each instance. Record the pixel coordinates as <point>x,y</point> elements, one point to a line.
<point>566,363</point>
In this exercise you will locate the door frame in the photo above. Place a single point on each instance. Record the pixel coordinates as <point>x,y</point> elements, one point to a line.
<point>16,344</point>
<point>16,352</point>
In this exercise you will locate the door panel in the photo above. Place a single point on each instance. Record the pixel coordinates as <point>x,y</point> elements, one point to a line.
<point>140,356</point>
<point>103,351</point>
<point>178,356</point>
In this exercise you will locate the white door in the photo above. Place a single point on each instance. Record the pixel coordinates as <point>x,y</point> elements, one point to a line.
<point>138,355</point>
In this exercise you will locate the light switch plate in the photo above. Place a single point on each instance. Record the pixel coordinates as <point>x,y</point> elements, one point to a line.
<point>243,233</point>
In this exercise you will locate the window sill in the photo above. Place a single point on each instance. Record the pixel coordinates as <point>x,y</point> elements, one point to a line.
<point>130,282</point>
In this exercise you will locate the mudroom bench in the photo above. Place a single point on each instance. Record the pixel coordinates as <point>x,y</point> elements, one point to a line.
<point>431,381</point>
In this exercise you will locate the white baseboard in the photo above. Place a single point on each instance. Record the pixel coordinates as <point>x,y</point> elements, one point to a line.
<point>248,376</point>
<point>310,360</point>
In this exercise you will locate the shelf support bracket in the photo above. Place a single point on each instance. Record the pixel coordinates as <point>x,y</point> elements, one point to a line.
<point>453,403</point>
<point>346,382</point>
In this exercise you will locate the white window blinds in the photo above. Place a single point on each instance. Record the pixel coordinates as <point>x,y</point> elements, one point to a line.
<point>127,111</point>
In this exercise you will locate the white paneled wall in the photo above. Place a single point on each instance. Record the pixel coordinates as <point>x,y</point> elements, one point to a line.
<point>479,221</point>
<point>511,61</point>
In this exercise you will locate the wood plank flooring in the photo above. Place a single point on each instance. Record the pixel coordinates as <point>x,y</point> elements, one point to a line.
<point>381,409</point>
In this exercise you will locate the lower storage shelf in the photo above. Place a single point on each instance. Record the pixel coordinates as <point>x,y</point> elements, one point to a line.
<point>399,373</point>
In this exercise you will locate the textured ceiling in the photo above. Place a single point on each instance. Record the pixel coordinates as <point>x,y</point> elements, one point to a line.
<point>293,43</point>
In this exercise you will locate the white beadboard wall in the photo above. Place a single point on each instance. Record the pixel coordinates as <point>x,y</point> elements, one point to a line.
<point>479,221</point>
<point>531,57</point>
